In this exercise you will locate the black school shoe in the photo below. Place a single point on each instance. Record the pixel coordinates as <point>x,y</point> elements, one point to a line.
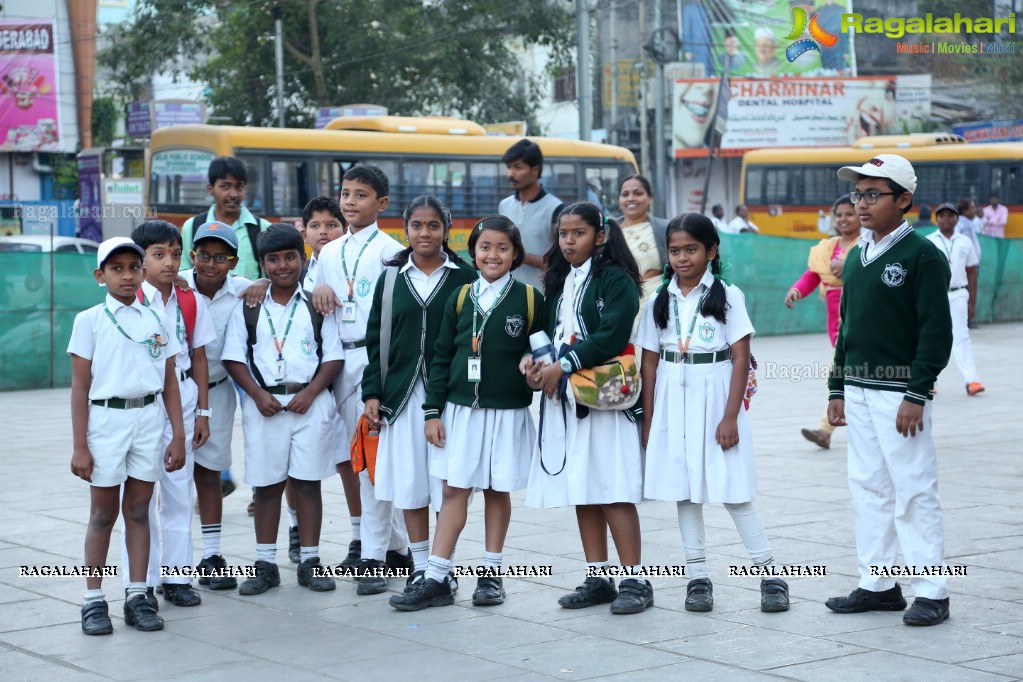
<point>413,580</point>
<point>395,560</point>
<point>861,601</point>
<point>592,592</point>
<point>354,554</point>
<point>294,545</point>
<point>634,596</point>
<point>140,613</point>
<point>371,580</point>
<point>212,564</point>
<point>96,618</point>
<point>489,591</point>
<point>774,595</point>
<point>308,576</point>
<point>425,593</point>
<point>267,576</point>
<point>926,611</point>
<point>700,595</point>
<point>181,594</point>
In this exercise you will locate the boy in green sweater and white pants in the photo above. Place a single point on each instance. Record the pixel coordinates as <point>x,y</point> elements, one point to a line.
<point>894,339</point>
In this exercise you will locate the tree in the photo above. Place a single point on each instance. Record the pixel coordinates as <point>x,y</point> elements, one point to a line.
<point>413,56</point>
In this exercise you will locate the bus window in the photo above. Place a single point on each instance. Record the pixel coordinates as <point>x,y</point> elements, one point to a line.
<point>964,180</point>
<point>178,176</point>
<point>755,186</point>
<point>1006,183</point>
<point>560,180</point>
<point>820,185</point>
<point>290,189</point>
<point>930,184</point>
<point>775,186</point>
<point>254,190</point>
<point>602,186</point>
<point>487,186</point>
<point>327,178</point>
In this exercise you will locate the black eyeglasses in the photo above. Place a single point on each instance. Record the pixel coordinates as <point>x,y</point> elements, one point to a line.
<point>219,259</point>
<point>870,197</point>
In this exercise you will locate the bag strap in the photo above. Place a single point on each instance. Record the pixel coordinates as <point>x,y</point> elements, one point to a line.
<point>390,275</point>
<point>254,231</point>
<point>530,304</point>
<point>251,316</point>
<point>462,293</point>
<point>317,320</point>
<point>539,437</point>
<point>186,301</point>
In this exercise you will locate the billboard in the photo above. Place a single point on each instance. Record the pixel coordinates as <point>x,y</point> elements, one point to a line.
<point>29,111</point>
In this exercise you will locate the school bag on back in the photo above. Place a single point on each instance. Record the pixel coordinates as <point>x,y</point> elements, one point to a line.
<point>187,304</point>
<point>251,316</point>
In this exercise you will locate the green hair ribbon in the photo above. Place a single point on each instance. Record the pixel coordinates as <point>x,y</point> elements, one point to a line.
<point>722,269</point>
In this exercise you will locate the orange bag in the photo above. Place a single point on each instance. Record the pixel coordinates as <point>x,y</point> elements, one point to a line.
<point>364,446</point>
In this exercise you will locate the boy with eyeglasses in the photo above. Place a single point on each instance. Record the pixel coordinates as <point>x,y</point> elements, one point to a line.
<point>894,339</point>
<point>215,256</point>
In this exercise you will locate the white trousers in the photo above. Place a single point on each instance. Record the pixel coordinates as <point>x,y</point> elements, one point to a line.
<point>893,480</point>
<point>383,525</point>
<point>962,347</point>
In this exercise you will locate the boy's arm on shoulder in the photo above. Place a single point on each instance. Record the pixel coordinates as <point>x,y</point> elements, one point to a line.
<point>934,326</point>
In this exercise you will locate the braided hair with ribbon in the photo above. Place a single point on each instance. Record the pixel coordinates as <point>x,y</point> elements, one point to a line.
<point>700,228</point>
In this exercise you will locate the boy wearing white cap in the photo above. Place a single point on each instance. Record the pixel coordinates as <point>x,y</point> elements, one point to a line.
<point>895,337</point>
<point>122,358</point>
<point>962,290</point>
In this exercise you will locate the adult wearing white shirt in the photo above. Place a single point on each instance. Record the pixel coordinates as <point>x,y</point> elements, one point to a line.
<point>718,218</point>
<point>741,222</point>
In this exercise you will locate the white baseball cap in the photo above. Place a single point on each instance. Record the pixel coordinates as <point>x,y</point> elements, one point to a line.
<point>891,166</point>
<point>117,244</point>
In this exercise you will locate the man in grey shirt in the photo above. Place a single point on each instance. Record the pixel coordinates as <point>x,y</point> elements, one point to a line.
<point>530,207</point>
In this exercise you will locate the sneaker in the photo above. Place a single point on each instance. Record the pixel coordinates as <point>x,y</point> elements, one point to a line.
<point>592,592</point>
<point>774,595</point>
<point>925,611</point>
<point>307,576</point>
<point>818,437</point>
<point>634,596</point>
<point>150,596</point>
<point>181,594</point>
<point>227,487</point>
<point>413,580</point>
<point>428,592</point>
<point>214,564</point>
<point>140,613</point>
<point>395,560</point>
<point>294,545</point>
<point>453,579</point>
<point>700,595</point>
<point>96,618</point>
<point>489,591</point>
<point>369,581</point>
<point>861,600</point>
<point>974,387</point>
<point>267,576</point>
<point>354,554</point>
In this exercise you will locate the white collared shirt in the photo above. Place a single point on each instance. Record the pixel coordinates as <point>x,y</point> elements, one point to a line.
<point>579,275</point>
<point>709,333</point>
<point>220,308</point>
<point>310,273</point>
<point>425,284</point>
<point>123,368</point>
<point>960,254</point>
<point>487,292</point>
<point>299,345</point>
<point>871,251</point>
<point>330,272</point>
<point>203,334</point>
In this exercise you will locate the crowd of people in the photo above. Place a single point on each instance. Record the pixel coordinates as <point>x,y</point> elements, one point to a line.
<point>410,372</point>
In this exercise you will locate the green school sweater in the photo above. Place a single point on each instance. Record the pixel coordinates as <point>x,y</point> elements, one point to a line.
<point>504,340</point>
<point>414,326</point>
<point>896,329</point>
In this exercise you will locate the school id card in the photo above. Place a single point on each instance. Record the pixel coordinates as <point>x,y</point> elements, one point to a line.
<point>475,370</point>
<point>348,311</point>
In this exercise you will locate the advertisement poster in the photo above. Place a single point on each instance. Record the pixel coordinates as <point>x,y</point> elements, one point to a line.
<point>29,114</point>
<point>90,206</point>
<point>796,112</point>
<point>767,38</point>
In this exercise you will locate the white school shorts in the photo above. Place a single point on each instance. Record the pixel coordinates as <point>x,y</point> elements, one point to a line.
<point>126,443</point>
<point>288,444</point>
<point>216,453</point>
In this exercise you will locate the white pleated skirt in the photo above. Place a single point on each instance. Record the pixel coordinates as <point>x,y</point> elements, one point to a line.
<point>485,448</point>
<point>403,471</point>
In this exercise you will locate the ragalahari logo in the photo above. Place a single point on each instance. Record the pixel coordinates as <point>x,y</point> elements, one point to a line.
<point>818,36</point>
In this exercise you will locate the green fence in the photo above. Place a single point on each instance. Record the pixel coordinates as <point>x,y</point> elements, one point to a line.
<point>42,293</point>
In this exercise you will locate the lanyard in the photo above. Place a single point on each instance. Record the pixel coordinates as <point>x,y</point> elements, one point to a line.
<point>178,328</point>
<point>355,268</point>
<point>273,332</point>
<point>948,249</point>
<point>155,342</point>
<point>692,323</point>
<point>477,335</point>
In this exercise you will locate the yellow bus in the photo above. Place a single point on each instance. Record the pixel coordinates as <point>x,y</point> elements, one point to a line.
<point>785,190</point>
<point>452,159</point>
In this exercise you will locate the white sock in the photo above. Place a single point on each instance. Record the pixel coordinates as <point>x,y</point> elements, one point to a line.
<point>266,552</point>
<point>357,528</point>
<point>210,539</point>
<point>95,595</point>
<point>492,559</point>
<point>309,552</point>
<point>135,590</point>
<point>635,570</point>
<point>690,524</point>
<point>438,568</point>
<point>751,530</point>
<point>597,565</point>
<point>293,517</point>
<point>420,554</point>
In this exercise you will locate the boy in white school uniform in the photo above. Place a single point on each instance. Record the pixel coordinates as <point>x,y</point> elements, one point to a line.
<point>214,256</point>
<point>348,271</point>
<point>170,511</point>
<point>284,356</point>
<point>962,290</point>
<point>122,357</point>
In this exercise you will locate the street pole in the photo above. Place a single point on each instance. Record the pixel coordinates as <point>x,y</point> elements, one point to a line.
<point>644,140</point>
<point>584,78</point>
<point>660,183</point>
<point>614,75</point>
<point>279,45</point>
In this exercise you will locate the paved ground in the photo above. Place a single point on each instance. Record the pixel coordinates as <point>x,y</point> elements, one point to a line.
<point>293,633</point>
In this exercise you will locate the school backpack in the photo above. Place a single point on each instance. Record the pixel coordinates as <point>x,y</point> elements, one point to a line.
<point>251,316</point>
<point>530,303</point>
<point>187,304</point>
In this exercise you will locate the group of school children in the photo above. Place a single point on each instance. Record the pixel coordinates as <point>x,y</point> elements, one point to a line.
<point>434,354</point>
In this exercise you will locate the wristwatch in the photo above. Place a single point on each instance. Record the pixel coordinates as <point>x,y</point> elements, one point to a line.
<point>566,366</point>
<point>203,413</point>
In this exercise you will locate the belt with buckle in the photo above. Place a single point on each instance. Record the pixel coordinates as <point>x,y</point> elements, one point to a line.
<point>696,358</point>
<point>285,389</point>
<point>213,384</point>
<point>187,374</point>
<point>955,289</point>
<point>352,345</point>
<point>126,403</point>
